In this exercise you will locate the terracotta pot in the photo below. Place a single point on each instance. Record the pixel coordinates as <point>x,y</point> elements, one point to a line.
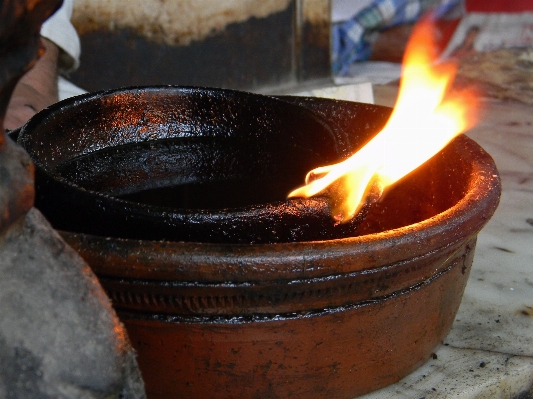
<point>330,317</point>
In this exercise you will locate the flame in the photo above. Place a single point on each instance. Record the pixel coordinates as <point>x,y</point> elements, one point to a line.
<point>424,120</point>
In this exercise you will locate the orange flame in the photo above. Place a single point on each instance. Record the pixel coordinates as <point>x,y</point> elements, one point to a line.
<point>423,122</point>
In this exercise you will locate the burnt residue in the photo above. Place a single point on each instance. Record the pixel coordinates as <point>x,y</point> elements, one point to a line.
<point>194,172</point>
<point>278,299</point>
<point>412,199</point>
<point>213,165</point>
<point>352,123</point>
<point>190,164</point>
<point>527,311</point>
<point>427,191</point>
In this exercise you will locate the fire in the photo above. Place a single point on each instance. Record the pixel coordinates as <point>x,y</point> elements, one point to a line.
<point>424,120</point>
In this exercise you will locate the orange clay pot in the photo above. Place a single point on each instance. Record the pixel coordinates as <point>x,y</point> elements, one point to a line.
<point>323,318</point>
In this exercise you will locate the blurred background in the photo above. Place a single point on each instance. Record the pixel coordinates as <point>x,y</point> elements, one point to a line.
<point>276,46</point>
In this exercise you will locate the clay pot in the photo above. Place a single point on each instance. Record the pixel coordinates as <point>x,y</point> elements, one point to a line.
<point>330,316</point>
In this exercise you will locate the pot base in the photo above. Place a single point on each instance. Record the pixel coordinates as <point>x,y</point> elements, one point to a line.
<point>338,353</point>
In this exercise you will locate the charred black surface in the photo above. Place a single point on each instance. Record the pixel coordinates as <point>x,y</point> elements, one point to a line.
<point>211,165</point>
<point>215,168</point>
<point>183,164</point>
<point>353,124</point>
<point>207,195</point>
<point>207,165</point>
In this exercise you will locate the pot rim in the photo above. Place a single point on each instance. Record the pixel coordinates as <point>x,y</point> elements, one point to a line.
<point>214,262</point>
<point>306,259</point>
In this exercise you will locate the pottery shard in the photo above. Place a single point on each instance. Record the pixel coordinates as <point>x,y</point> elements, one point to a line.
<point>59,336</point>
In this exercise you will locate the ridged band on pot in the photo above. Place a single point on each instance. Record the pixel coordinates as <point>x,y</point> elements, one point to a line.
<point>338,353</point>
<point>180,278</point>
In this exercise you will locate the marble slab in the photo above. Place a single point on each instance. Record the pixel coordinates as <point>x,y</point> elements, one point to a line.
<point>463,373</point>
<point>497,309</point>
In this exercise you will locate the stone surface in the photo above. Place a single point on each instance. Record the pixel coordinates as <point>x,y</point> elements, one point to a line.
<point>458,373</point>
<point>59,336</point>
<point>16,183</point>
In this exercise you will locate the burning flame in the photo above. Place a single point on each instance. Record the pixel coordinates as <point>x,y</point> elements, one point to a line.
<point>423,122</point>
